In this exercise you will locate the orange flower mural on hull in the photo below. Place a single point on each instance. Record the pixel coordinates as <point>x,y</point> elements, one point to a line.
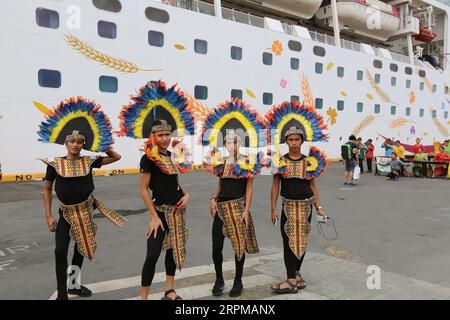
<point>277,48</point>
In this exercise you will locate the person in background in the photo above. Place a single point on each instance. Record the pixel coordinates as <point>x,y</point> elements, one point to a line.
<point>447,147</point>
<point>348,153</point>
<point>362,149</point>
<point>396,165</point>
<point>441,169</point>
<point>369,154</point>
<point>417,168</point>
<point>388,146</point>
<point>417,146</point>
<point>399,150</point>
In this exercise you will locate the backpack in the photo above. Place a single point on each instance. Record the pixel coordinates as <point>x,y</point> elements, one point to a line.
<point>346,152</point>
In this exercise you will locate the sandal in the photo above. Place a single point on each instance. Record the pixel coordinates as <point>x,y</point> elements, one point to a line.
<point>301,284</point>
<point>276,288</point>
<point>166,295</point>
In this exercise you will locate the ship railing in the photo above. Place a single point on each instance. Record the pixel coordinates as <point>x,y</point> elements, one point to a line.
<point>249,19</point>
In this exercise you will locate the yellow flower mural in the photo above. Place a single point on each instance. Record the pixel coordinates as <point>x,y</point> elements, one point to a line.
<point>332,114</point>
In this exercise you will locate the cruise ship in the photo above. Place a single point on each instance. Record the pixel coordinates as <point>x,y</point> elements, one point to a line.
<point>373,68</point>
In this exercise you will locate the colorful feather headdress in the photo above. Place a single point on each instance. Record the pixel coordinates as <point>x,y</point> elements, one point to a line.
<point>280,118</point>
<point>238,117</point>
<point>152,102</point>
<point>77,114</point>
<point>295,114</point>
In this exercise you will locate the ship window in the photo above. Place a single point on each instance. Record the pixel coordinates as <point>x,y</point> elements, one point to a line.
<point>295,98</point>
<point>408,111</point>
<point>421,86</point>
<point>319,103</point>
<point>108,84</point>
<point>49,78</point>
<point>108,5</point>
<point>200,46</point>
<point>295,64</point>
<point>377,78</point>
<point>422,73</point>
<point>445,114</point>
<point>377,64</point>
<point>201,92</point>
<point>421,112</point>
<point>319,51</point>
<point>359,107</point>
<point>235,93</point>
<point>446,90</point>
<point>393,67</point>
<point>267,98</point>
<point>340,105</point>
<point>47,18</point>
<point>393,110</point>
<point>319,67</point>
<point>236,53</point>
<point>408,70</point>
<point>107,29</point>
<point>434,88</point>
<point>433,114</point>
<point>359,75</point>
<point>377,108</point>
<point>340,72</point>
<point>156,38</point>
<point>157,15</point>
<point>295,45</point>
<point>393,81</point>
<point>408,84</point>
<point>267,58</point>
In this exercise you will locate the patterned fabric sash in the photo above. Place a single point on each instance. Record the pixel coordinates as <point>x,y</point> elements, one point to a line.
<point>71,168</point>
<point>297,227</point>
<point>295,169</point>
<point>82,225</point>
<point>177,236</point>
<point>242,238</point>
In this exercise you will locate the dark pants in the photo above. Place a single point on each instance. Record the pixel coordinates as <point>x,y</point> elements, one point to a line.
<point>217,243</point>
<point>361,165</point>
<point>393,174</point>
<point>62,240</point>
<point>154,247</point>
<point>369,164</point>
<point>291,262</point>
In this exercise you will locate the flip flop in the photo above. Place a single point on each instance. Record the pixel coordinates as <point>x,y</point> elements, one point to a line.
<point>276,288</point>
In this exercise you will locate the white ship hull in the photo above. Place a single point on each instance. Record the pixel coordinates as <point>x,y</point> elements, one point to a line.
<point>27,48</point>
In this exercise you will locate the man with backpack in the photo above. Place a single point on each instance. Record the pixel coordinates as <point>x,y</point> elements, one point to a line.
<point>349,153</point>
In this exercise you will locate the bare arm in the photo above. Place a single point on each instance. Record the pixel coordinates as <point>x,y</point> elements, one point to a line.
<point>112,157</point>
<point>248,194</point>
<point>274,197</point>
<point>145,193</point>
<point>320,212</point>
<point>216,192</point>
<point>316,193</point>
<point>275,191</point>
<point>212,202</point>
<point>48,188</point>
